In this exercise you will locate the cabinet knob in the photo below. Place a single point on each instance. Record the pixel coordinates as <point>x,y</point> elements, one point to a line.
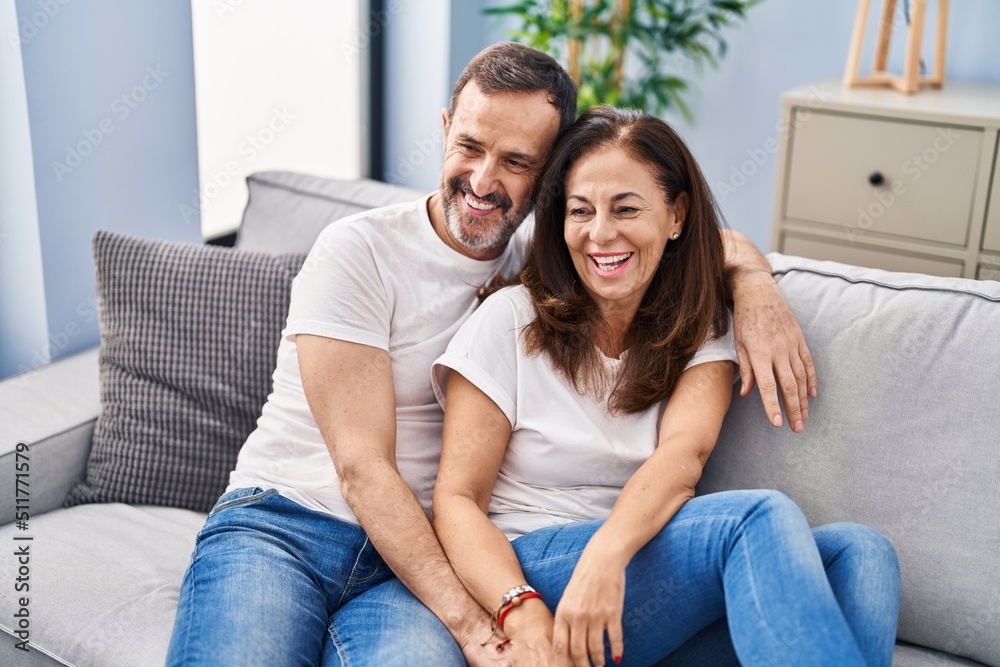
<point>876,178</point>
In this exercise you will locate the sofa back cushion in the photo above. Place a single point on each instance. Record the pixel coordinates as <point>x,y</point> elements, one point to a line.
<point>189,337</point>
<point>286,211</point>
<point>904,436</point>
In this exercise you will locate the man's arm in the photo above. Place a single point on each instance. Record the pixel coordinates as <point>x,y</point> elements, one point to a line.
<point>349,388</point>
<point>769,342</point>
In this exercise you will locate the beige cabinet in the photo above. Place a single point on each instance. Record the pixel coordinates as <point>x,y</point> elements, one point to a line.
<point>991,236</point>
<point>881,179</point>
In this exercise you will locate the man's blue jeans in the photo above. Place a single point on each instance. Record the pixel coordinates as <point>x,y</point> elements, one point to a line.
<point>790,596</point>
<point>272,583</point>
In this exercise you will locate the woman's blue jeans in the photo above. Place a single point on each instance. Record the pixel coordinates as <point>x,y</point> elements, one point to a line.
<point>272,583</point>
<point>746,559</point>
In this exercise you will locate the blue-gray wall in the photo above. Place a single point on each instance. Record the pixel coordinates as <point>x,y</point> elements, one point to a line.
<point>784,44</point>
<point>417,85</point>
<point>101,114</point>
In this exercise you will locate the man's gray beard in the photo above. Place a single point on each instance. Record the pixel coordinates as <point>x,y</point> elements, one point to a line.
<point>495,237</point>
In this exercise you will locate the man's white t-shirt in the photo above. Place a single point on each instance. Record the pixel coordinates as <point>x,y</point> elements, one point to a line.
<point>567,458</point>
<point>381,278</point>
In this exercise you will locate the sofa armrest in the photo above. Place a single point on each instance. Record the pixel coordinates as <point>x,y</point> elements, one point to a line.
<point>52,410</point>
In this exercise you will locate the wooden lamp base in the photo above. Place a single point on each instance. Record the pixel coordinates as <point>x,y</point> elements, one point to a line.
<point>911,80</point>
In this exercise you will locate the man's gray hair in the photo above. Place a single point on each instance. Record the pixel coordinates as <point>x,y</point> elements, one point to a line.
<point>509,67</point>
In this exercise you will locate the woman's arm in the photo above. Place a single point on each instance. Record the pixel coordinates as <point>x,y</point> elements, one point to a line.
<point>772,351</point>
<point>594,598</point>
<point>475,438</point>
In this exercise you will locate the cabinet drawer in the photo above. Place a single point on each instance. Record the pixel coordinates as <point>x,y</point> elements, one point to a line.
<point>928,172</point>
<point>858,255</point>
<point>991,237</point>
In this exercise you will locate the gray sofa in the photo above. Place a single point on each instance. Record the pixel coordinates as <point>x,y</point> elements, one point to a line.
<point>904,436</point>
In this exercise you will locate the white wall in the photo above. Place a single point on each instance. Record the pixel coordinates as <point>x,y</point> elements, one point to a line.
<point>278,87</point>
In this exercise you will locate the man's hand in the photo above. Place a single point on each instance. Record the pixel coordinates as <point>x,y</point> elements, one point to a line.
<point>771,349</point>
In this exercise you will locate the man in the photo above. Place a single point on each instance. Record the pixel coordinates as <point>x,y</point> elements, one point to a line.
<point>311,555</point>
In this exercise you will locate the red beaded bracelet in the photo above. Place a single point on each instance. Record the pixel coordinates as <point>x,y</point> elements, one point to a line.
<point>515,601</point>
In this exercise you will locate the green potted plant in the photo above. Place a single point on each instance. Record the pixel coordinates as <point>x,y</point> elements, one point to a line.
<point>627,52</point>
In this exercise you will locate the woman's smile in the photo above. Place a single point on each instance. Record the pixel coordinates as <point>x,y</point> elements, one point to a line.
<point>608,264</point>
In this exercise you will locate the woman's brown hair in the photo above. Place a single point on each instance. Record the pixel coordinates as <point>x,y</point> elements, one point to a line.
<point>684,304</point>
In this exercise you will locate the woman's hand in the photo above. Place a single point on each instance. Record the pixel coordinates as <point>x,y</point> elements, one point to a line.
<point>529,627</point>
<point>470,640</point>
<point>477,655</point>
<point>535,650</point>
<point>591,605</point>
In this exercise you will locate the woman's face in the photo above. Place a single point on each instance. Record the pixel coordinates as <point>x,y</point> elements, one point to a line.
<point>617,225</point>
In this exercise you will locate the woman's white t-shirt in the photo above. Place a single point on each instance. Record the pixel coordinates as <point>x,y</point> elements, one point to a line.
<point>568,458</point>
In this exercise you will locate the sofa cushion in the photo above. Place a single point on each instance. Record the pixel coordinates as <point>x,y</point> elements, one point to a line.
<point>189,338</point>
<point>902,437</point>
<point>286,211</point>
<point>51,409</point>
<point>104,582</point>
<point>907,655</point>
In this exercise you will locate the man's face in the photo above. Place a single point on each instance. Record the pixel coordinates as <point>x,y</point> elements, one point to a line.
<point>494,149</point>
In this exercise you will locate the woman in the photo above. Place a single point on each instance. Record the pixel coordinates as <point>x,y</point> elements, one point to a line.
<point>581,408</point>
